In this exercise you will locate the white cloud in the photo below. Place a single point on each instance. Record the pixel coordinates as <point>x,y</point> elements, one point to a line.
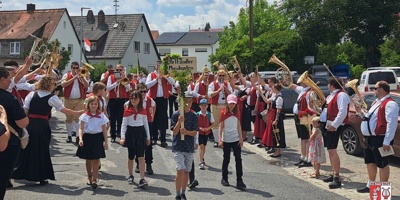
<point>181,3</point>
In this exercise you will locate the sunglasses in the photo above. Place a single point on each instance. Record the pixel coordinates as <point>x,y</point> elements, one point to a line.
<point>143,91</point>
<point>376,88</point>
<point>221,75</point>
<point>75,67</point>
<point>118,70</point>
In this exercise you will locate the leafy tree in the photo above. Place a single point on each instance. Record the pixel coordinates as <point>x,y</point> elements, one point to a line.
<point>99,69</point>
<point>143,70</point>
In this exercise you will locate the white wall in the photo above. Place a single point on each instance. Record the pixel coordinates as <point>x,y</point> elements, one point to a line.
<point>66,35</point>
<point>146,59</point>
<point>202,57</point>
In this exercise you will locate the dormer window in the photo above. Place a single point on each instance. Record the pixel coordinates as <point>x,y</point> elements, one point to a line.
<point>93,46</point>
<point>15,48</point>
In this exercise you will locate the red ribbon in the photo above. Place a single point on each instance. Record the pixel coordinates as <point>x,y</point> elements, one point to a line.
<point>97,115</point>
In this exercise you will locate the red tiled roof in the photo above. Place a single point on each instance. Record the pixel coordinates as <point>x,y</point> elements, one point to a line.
<point>18,24</point>
<point>155,34</point>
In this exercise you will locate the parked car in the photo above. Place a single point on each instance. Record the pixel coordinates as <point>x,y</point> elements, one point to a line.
<point>370,77</point>
<point>290,96</point>
<point>395,69</point>
<point>352,136</point>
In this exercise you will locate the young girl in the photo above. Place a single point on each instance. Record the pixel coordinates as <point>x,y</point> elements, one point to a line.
<point>230,133</point>
<point>316,150</point>
<point>92,138</point>
<point>135,134</point>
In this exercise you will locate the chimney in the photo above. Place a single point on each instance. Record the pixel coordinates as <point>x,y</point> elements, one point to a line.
<point>30,7</point>
<point>101,18</point>
<point>90,17</point>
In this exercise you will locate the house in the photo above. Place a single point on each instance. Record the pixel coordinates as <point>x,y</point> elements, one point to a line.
<point>195,45</point>
<point>17,26</point>
<point>118,39</point>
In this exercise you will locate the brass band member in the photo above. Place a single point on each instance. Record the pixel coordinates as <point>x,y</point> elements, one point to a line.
<point>335,115</point>
<point>75,88</point>
<point>200,89</point>
<point>378,127</point>
<point>218,90</point>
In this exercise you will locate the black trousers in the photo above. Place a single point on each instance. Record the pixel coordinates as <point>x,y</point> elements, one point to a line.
<point>160,119</point>
<point>191,173</point>
<point>227,157</point>
<point>7,158</point>
<point>173,104</point>
<point>148,153</point>
<point>116,113</point>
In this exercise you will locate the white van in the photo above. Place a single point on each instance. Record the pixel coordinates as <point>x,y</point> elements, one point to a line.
<point>370,77</point>
<point>395,69</point>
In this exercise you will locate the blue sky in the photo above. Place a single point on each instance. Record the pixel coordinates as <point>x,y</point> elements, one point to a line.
<point>162,15</point>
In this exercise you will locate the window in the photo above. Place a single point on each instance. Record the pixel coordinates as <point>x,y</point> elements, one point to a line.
<point>141,28</point>
<point>185,52</point>
<point>93,46</point>
<point>70,47</point>
<point>65,24</point>
<point>200,49</point>
<point>137,47</point>
<point>164,52</point>
<point>146,47</point>
<point>14,48</point>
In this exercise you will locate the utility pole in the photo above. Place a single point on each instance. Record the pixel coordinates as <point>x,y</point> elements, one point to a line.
<point>251,34</point>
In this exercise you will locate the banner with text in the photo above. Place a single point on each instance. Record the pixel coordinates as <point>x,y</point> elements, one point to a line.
<point>186,63</point>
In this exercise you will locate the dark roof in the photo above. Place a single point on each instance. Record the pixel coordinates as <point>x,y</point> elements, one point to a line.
<point>115,40</point>
<point>19,24</point>
<point>169,37</point>
<point>187,38</point>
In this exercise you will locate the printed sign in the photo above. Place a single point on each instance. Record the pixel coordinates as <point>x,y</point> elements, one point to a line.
<point>380,191</point>
<point>186,63</point>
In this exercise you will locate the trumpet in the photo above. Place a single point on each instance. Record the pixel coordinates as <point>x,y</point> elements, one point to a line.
<point>283,73</point>
<point>276,131</point>
<point>125,81</point>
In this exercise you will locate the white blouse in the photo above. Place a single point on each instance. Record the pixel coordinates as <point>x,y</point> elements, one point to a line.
<point>93,125</point>
<point>54,101</point>
<point>141,120</point>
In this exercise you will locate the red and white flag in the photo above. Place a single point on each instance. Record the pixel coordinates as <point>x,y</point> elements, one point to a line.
<point>87,44</point>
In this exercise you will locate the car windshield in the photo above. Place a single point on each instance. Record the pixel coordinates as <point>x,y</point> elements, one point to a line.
<point>369,98</point>
<point>378,76</point>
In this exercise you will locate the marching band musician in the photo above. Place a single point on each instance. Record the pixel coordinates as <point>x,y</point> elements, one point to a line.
<point>75,88</point>
<point>334,115</point>
<point>173,95</point>
<point>378,127</point>
<point>17,73</point>
<point>105,75</point>
<point>218,90</point>
<point>302,103</point>
<point>158,91</point>
<point>201,87</point>
<point>118,94</point>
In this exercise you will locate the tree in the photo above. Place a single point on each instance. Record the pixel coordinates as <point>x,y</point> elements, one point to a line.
<point>143,70</point>
<point>99,69</point>
<point>207,28</point>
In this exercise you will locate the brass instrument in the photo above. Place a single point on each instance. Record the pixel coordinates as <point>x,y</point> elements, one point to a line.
<point>283,73</point>
<point>353,85</point>
<point>38,53</point>
<point>216,64</point>
<point>276,131</point>
<point>83,72</point>
<point>87,65</point>
<point>236,66</point>
<point>125,81</point>
<point>316,96</point>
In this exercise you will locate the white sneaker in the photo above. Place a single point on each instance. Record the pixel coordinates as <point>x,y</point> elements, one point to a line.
<point>201,166</point>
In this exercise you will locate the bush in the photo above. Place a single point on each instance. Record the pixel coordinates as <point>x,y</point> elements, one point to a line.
<point>356,71</point>
<point>143,70</point>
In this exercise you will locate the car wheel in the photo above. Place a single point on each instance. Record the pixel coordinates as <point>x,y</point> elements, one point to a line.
<point>351,143</point>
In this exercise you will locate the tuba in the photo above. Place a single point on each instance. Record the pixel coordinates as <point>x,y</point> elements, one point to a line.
<point>283,73</point>
<point>316,96</point>
<point>353,85</point>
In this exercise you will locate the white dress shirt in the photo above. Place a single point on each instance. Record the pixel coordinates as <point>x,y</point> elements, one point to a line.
<point>343,101</point>
<point>54,101</point>
<point>93,125</point>
<point>222,97</point>
<point>75,92</point>
<point>300,90</point>
<point>141,120</point>
<point>150,83</point>
<point>391,116</point>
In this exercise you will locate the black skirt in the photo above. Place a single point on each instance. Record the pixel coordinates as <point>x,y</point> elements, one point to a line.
<point>92,148</point>
<point>246,118</point>
<point>35,160</point>
<point>135,137</point>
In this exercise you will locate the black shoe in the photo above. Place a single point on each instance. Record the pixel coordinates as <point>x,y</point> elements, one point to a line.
<point>305,164</point>
<point>43,182</point>
<point>267,148</point>
<point>329,179</point>
<point>143,183</point>
<point>112,140</point>
<point>277,156</point>
<point>253,141</point>
<point>240,185</point>
<point>77,140</point>
<point>183,197</point>
<point>9,184</point>
<point>224,182</point>
<point>271,151</point>
<point>193,184</point>
<point>137,169</point>
<point>69,139</point>
<point>73,133</point>
<point>178,197</point>
<point>154,142</point>
<point>164,144</point>
<point>94,185</point>
<point>260,145</point>
<point>335,183</point>
<point>215,144</point>
<point>298,163</point>
<point>363,190</point>
<point>149,170</point>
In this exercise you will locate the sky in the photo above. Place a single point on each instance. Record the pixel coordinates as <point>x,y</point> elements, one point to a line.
<point>161,15</point>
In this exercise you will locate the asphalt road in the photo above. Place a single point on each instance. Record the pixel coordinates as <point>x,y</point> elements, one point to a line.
<point>265,177</point>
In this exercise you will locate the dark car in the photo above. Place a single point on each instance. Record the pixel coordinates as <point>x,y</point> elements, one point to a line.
<point>290,96</point>
<point>352,136</point>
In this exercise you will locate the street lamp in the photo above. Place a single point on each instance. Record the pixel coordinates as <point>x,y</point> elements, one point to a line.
<point>81,38</point>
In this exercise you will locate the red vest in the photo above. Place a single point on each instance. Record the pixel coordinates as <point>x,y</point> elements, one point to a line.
<point>133,85</point>
<point>68,89</point>
<point>303,101</point>
<point>203,122</point>
<point>154,88</point>
<point>333,109</point>
<point>202,90</point>
<point>253,96</point>
<point>381,121</point>
<point>123,93</point>
<point>148,106</point>
<point>214,100</point>
<point>16,93</point>
<point>24,93</point>
<point>105,77</point>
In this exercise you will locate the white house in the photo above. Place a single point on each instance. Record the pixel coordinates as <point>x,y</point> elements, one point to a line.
<point>191,44</point>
